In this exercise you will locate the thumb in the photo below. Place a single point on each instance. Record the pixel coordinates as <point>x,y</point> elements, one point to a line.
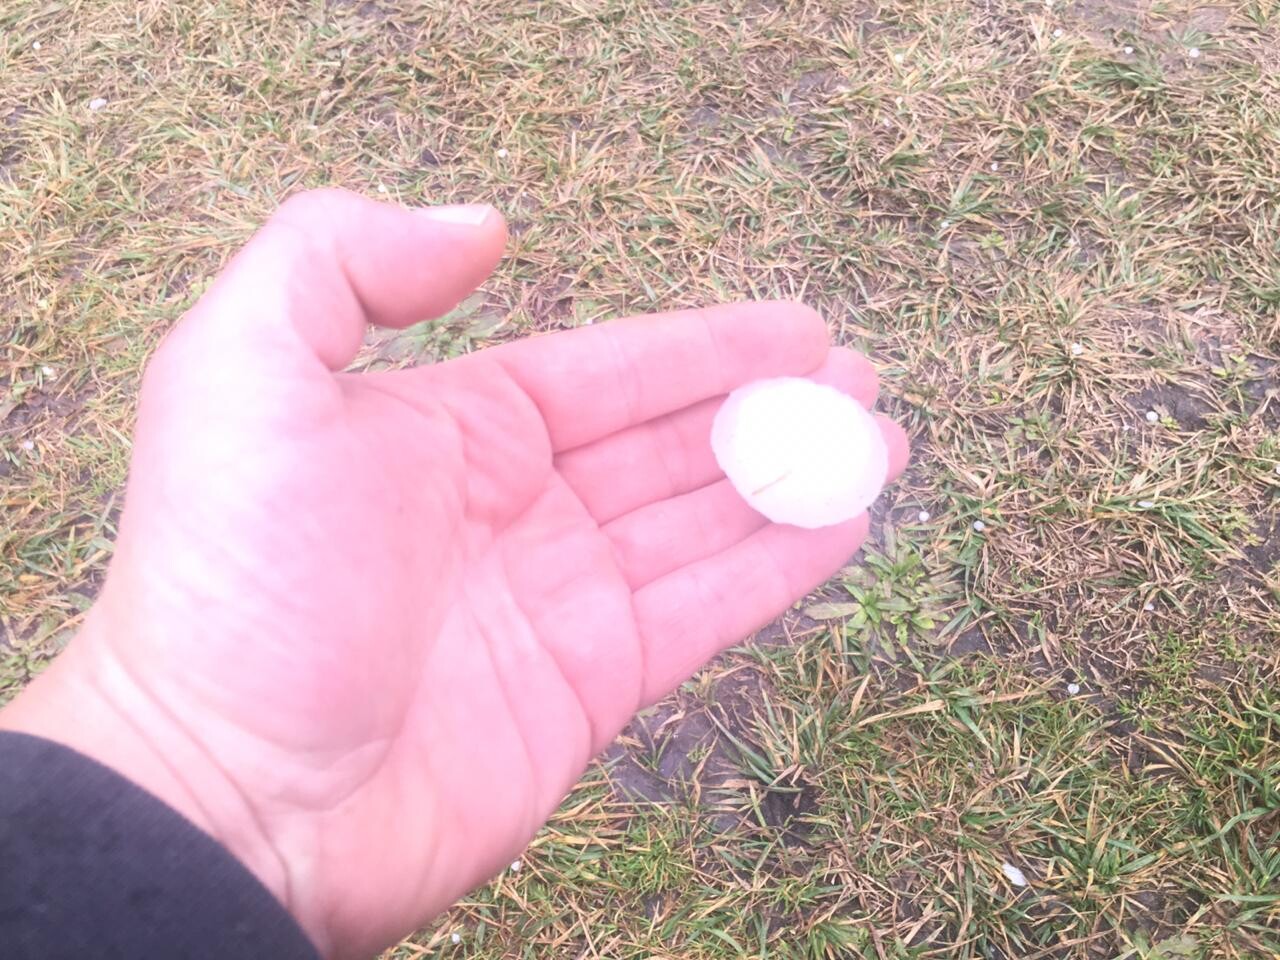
<point>330,261</point>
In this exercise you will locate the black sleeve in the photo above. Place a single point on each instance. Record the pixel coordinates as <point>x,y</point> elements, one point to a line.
<point>91,865</point>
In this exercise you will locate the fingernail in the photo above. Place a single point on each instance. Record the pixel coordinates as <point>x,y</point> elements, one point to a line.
<point>467,214</point>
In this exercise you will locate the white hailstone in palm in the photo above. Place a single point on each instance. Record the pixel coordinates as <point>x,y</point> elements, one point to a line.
<point>1073,688</point>
<point>97,103</point>
<point>800,452</point>
<point>1014,875</point>
<point>1152,416</point>
<point>923,516</point>
<point>1077,349</point>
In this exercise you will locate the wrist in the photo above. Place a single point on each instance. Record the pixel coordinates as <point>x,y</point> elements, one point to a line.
<point>88,701</point>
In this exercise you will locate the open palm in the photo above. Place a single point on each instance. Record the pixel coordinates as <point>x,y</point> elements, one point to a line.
<point>391,616</point>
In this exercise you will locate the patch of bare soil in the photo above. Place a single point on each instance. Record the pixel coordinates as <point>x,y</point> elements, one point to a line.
<point>1104,19</point>
<point>1187,403</point>
<point>688,752</point>
<point>1264,552</point>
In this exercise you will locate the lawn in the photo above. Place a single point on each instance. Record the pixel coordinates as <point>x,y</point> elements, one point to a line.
<point>1056,229</point>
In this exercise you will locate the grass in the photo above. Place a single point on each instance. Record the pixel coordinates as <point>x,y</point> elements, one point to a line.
<point>966,195</point>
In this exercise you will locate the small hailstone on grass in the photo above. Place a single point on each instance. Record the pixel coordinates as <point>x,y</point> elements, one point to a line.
<point>979,525</point>
<point>515,866</point>
<point>455,938</point>
<point>897,58</point>
<point>897,101</point>
<point>994,166</point>
<point>923,516</point>
<point>1077,349</point>
<point>1057,34</point>
<point>1128,51</point>
<point>97,103</point>
<point>1073,688</point>
<point>382,188</point>
<point>1014,875</point>
<point>28,445</point>
<point>1278,468</point>
<point>800,452</point>
<point>1193,52</point>
<point>48,372</point>
<point>35,44</point>
<point>1149,607</point>
<point>1145,504</point>
<point>1152,416</point>
<point>502,153</point>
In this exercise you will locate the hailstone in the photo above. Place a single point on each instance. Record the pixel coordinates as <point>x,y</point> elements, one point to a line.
<point>799,452</point>
<point>1014,875</point>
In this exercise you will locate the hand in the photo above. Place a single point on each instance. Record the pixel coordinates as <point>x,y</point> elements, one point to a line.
<point>368,629</point>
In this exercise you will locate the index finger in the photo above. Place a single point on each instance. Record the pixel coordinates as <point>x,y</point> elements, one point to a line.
<point>594,381</point>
